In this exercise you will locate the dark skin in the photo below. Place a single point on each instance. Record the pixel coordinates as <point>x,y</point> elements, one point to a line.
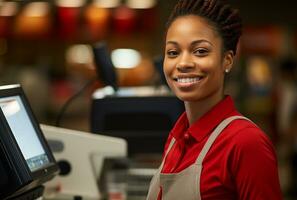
<point>194,64</point>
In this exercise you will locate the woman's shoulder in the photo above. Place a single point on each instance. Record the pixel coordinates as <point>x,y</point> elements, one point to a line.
<point>245,134</point>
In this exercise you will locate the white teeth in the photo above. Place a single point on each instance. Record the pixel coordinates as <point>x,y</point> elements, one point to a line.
<point>188,80</point>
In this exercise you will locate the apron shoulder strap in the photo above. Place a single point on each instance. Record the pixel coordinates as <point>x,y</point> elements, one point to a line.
<point>214,135</point>
<point>172,141</point>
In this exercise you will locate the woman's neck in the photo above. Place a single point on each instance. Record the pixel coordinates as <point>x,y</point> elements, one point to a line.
<point>197,109</point>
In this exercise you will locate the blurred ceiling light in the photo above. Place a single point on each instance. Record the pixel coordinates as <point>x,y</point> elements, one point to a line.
<point>97,21</point>
<point>79,54</point>
<point>8,9</point>
<point>107,3</point>
<point>125,58</point>
<point>70,3</point>
<point>68,16</point>
<point>124,20</point>
<point>34,21</point>
<point>124,13</point>
<point>141,4</point>
<point>36,9</point>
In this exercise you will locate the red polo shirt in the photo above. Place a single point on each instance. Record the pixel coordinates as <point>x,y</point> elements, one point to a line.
<point>241,164</point>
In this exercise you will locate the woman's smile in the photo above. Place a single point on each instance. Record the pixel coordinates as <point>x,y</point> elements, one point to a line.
<point>184,82</point>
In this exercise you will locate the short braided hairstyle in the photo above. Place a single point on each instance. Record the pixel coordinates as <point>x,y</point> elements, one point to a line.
<point>221,16</point>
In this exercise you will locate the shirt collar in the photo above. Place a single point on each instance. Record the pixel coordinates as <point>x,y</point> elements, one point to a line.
<point>204,125</point>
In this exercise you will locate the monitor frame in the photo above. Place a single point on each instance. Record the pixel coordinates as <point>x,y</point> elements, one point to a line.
<point>136,100</point>
<point>21,178</point>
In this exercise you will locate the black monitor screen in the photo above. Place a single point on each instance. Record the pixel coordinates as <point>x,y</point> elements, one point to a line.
<point>144,121</point>
<point>24,132</point>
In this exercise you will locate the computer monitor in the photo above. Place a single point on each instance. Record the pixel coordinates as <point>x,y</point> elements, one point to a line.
<point>26,161</point>
<point>141,115</point>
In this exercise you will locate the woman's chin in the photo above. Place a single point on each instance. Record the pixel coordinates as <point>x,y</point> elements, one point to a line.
<point>188,98</point>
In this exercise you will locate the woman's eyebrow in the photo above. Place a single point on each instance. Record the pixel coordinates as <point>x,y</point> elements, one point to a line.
<point>195,42</point>
<point>172,42</point>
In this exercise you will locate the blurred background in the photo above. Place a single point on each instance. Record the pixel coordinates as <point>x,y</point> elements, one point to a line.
<point>47,47</point>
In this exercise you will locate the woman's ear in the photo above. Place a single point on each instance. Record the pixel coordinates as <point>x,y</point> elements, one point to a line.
<point>228,60</point>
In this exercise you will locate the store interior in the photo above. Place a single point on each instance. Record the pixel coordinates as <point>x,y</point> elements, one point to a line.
<point>49,47</point>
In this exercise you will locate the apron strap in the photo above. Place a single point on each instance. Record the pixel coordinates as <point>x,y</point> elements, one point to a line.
<point>214,135</point>
<point>167,151</point>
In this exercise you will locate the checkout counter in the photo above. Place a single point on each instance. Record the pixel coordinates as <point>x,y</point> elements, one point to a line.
<point>80,156</point>
<point>94,167</point>
<point>91,166</point>
<point>118,160</point>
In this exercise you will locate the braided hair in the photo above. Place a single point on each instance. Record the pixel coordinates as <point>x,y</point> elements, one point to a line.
<point>221,16</point>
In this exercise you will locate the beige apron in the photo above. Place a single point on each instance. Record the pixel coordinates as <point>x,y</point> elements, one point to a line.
<point>184,185</point>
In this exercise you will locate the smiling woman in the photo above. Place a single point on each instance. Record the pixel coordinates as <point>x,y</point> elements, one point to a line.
<point>212,152</point>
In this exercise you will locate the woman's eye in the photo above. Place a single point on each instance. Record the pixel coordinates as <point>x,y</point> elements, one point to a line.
<point>172,53</point>
<point>201,52</point>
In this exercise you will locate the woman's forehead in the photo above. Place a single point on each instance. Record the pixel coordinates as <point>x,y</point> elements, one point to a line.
<point>189,28</point>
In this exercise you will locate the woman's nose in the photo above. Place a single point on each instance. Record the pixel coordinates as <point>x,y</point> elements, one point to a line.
<point>185,63</point>
<point>185,66</point>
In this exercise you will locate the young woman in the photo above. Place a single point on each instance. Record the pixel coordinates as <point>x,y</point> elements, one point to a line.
<point>212,152</point>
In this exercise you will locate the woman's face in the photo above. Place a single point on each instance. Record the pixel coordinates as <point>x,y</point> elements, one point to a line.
<point>194,64</point>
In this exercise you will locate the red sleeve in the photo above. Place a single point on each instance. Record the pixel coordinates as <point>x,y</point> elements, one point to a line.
<point>254,166</point>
